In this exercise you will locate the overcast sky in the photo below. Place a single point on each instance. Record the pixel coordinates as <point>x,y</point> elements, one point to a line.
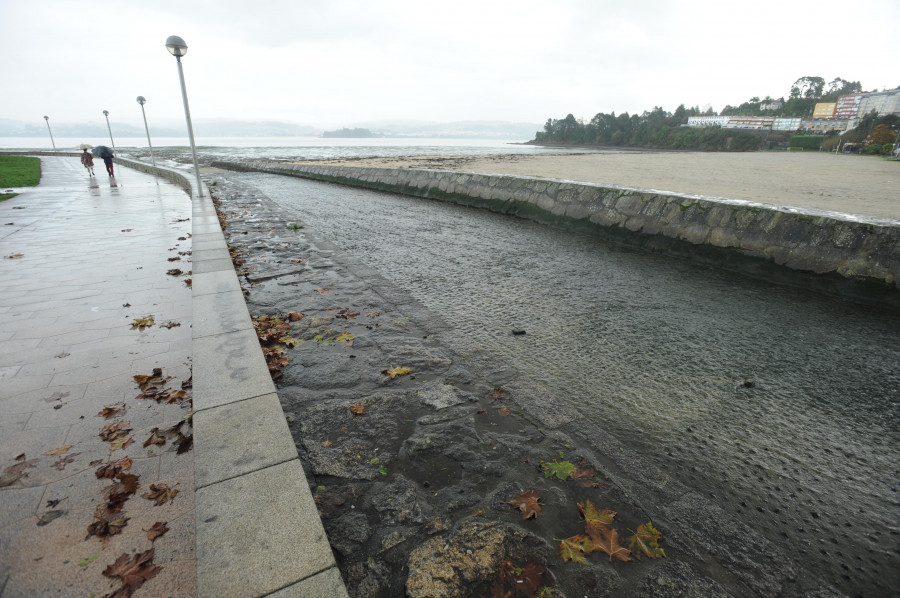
<point>330,63</point>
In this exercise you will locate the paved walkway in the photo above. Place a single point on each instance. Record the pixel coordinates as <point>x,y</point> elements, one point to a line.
<point>84,264</point>
<point>80,261</point>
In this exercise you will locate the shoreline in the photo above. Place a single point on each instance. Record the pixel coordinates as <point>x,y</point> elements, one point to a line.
<point>858,185</point>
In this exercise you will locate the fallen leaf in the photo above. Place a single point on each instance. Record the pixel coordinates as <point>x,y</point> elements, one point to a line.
<point>120,444</point>
<point>184,442</point>
<point>321,291</point>
<point>594,516</point>
<point>606,539</point>
<point>156,530</point>
<point>646,541</point>
<point>161,493</point>
<point>174,272</point>
<point>504,410</point>
<point>132,572</point>
<point>344,337</point>
<point>559,469</point>
<point>49,516</point>
<point>511,581</point>
<point>289,341</point>
<point>111,411</point>
<point>59,451</point>
<point>114,431</point>
<point>107,522</point>
<point>327,444</point>
<point>88,560</point>
<point>155,438</point>
<point>528,504</point>
<point>358,408</point>
<point>170,325</point>
<point>496,394</point>
<point>395,372</point>
<point>141,323</point>
<point>574,548</point>
<point>114,468</point>
<point>346,314</point>
<point>294,316</point>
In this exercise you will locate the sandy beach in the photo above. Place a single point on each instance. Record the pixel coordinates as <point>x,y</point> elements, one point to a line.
<point>853,184</point>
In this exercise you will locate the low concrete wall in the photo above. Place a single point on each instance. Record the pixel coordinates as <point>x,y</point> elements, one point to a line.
<point>852,257</point>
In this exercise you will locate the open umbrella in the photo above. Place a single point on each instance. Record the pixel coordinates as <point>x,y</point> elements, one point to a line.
<point>84,146</point>
<point>101,151</point>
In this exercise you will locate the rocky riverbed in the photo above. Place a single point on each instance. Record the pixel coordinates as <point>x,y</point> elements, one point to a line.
<point>413,472</point>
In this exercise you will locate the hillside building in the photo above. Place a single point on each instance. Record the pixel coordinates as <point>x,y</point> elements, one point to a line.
<point>848,106</point>
<point>707,121</point>
<point>824,110</point>
<point>882,102</point>
<point>822,126</point>
<point>749,122</point>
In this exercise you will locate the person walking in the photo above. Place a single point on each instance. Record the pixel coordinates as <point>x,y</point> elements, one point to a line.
<point>107,159</point>
<point>87,161</point>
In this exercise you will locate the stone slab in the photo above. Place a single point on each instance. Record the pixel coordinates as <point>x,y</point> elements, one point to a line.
<point>327,584</point>
<point>220,312</point>
<point>229,367</point>
<point>239,438</point>
<point>252,541</point>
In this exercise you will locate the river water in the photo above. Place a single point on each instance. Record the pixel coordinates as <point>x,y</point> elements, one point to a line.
<point>779,405</point>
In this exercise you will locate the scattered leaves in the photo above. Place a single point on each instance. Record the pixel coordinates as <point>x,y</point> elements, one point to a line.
<point>528,504</point>
<point>596,517</point>
<point>132,572</point>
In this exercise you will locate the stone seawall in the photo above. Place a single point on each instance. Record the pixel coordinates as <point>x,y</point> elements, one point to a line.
<point>852,257</point>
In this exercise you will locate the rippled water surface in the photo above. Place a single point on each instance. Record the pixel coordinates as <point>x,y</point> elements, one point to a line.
<point>779,405</point>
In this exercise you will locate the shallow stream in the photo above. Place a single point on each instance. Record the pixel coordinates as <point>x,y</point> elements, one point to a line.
<point>779,405</point>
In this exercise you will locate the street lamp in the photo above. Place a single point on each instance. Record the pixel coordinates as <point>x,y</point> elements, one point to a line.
<point>177,48</point>
<point>47,118</point>
<point>142,100</point>
<point>106,114</point>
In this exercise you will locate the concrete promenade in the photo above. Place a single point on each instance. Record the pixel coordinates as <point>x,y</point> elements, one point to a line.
<point>103,280</point>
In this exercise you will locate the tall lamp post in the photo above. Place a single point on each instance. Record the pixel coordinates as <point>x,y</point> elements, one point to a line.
<point>47,118</point>
<point>142,100</point>
<point>177,48</point>
<point>106,114</point>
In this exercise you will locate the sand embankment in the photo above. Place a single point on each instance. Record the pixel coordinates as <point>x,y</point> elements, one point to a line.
<point>842,183</point>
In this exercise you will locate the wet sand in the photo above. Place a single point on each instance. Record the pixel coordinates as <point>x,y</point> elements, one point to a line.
<point>853,184</point>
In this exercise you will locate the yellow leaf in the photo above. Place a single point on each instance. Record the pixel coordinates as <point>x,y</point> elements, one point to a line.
<point>395,372</point>
<point>344,337</point>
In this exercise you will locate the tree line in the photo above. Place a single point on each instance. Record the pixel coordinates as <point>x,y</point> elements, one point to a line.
<point>661,129</point>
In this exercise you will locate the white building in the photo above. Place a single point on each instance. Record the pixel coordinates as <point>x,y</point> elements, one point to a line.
<point>786,124</point>
<point>882,102</point>
<point>707,121</point>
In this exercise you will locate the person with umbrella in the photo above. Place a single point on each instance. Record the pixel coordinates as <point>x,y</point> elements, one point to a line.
<point>87,161</point>
<point>107,154</point>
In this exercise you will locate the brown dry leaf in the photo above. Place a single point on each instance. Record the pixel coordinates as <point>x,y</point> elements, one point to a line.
<point>161,493</point>
<point>294,316</point>
<point>111,411</point>
<point>156,530</point>
<point>156,437</point>
<point>184,442</point>
<point>358,408</point>
<point>327,444</point>
<point>606,539</point>
<point>107,522</point>
<point>496,394</point>
<point>132,571</point>
<point>528,504</point>
<point>321,291</point>
<point>59,451</point>
<point>115,431</point>
<point>504,410</point>
<point>49,516</point>
<point>646,541</point>
<point>170,325</point>
<point>346,314</point>
<point>114,468</point>
<point>126,485</point>
<point>121,443</point>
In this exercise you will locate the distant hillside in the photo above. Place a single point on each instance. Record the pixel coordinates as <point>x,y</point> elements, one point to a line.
<point>475,129</point>
<point>351,133</point>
